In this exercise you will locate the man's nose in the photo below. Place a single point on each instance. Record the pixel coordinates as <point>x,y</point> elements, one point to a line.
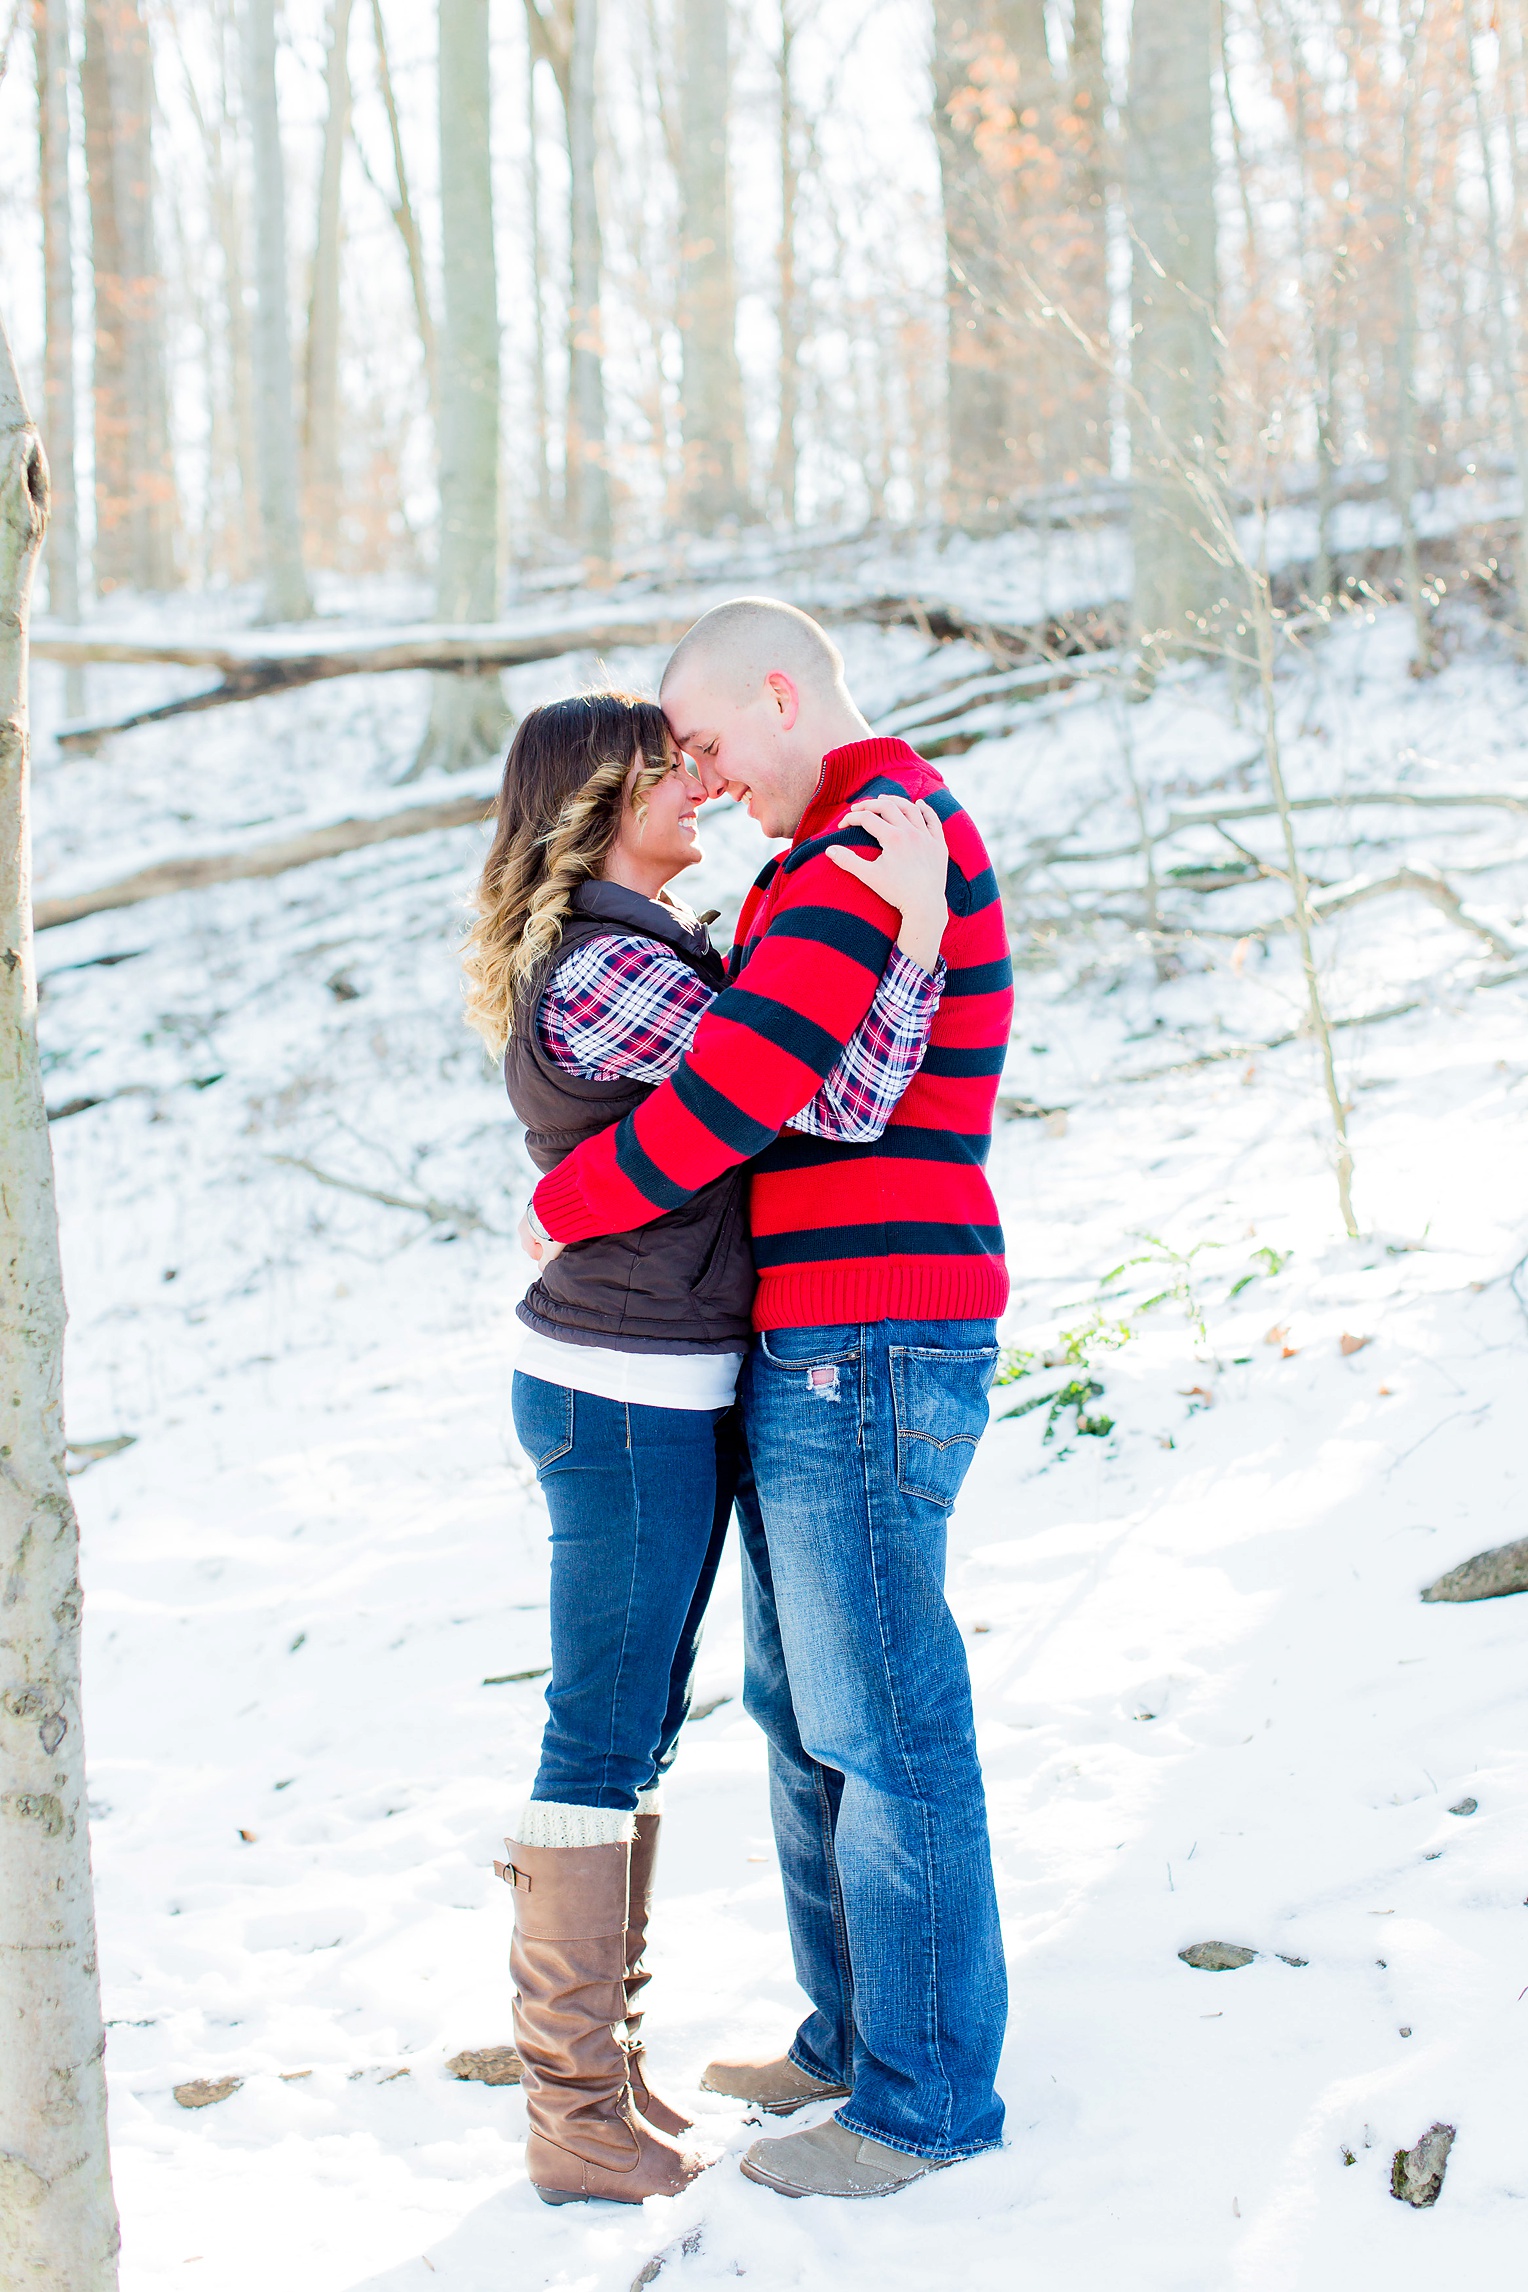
<point>713,781</point>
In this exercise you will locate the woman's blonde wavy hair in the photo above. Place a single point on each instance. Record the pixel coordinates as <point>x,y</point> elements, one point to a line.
<point>559,813</point>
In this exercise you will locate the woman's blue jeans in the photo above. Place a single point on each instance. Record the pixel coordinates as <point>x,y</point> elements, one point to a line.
<point>640,1500</point>
<point>859,1439</point>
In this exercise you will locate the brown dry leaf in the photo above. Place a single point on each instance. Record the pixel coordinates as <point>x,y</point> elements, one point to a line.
<point>201,2092</point>
<point>1351,1345</point>
<point>1202,1394</point>
<point>490,2065</point>
<point>248,1837</point>
<point>1239,954</point>
<point>1250,1075</point>
<point>1277,1335</point>
<point>1289,1353</point>
<point>1385,1393</point>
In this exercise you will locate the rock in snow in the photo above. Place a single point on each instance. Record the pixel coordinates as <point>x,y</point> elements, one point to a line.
<point>1216,1957</point>
<point>1489,1576</point>
<point>1416,2177</point>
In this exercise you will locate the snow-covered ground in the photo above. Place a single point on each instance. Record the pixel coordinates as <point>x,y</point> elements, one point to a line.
<point>311,1577</point>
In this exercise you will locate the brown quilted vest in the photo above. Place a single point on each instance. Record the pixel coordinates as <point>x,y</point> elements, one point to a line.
<point>683,1284</point>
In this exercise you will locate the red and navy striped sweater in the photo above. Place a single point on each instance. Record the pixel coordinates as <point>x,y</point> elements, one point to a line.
<point>904,1229</point>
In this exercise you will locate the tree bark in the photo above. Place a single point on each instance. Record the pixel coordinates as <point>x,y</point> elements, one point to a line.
<point>1175,359</point>
<point>286,584</point>
<point>467,714</point>
<point>50,26</point>
<point>134,475</point>
<point>58,2221</point>
<point>711,398</point>
<point>588,480</point>
<point>321,407</point>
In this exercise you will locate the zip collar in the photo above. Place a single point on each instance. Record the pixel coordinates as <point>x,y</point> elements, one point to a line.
<point>845,771</point>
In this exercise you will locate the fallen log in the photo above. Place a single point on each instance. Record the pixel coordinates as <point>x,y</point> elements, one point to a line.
<point>247,671</point>
<point>1210,815</point>
<point>266,859</point>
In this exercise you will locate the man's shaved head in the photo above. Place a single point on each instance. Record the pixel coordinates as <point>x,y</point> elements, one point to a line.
<point>735,646</point>
<point>755,695</point>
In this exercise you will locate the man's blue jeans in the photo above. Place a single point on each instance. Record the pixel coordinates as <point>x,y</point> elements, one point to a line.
<point>859,1439</point>
<point>640,1499</point>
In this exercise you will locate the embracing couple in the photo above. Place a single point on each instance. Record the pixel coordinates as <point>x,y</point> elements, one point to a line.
<point>770,1269</point>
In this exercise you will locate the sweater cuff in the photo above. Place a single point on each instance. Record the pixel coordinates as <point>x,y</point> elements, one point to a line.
<point>559,1203</point>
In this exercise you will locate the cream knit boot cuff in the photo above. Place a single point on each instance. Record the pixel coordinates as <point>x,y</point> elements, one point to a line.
<point>546,1822</point>
<point>650,1802</point>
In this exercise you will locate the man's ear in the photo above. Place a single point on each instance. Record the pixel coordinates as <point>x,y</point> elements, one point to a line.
<point>785,697</point>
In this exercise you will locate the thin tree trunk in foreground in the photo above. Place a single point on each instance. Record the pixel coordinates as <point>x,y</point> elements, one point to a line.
<point>58,2221</point>
<point>286,584</point>
<point>321,400</point>
<point>467,713</point>
<point>50,23</point>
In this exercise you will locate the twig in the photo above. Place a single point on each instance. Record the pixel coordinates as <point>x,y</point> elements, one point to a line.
<point>424,1205</point>
<point>1273,1043</point>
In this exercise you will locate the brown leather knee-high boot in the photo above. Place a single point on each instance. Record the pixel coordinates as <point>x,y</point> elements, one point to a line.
<point>644,1856</point>
<point>568,1960</point>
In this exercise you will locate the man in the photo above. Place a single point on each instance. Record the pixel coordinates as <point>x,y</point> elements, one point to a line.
<point>881,1275</point>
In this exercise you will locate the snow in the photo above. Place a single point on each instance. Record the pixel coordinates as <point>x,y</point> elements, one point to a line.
<point>1188,1634</point>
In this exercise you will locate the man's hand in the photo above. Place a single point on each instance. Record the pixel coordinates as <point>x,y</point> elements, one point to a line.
<point>531,1242</point>
<point>910,872</point>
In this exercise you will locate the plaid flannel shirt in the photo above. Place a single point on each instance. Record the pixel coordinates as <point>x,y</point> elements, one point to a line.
<point>624,1008</point>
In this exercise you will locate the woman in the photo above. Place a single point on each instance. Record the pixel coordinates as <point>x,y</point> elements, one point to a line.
<point>591,980</point>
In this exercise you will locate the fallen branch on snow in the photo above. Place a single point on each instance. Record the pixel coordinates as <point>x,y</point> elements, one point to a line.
<point>261,859</point>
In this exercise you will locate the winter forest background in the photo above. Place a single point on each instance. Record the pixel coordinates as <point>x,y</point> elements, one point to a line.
<point>1139,394</point>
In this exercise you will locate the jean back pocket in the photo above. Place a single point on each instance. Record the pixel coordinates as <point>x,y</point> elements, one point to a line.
<point>939,1399</point>
<point>543,1415</point>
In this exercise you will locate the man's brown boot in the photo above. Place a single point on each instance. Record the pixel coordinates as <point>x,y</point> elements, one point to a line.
<point>776,2086</point>
<point>568,1960</point>
<point>644,1856</point>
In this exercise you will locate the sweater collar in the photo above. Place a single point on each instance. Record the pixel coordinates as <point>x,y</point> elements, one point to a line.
<point>844,772</point>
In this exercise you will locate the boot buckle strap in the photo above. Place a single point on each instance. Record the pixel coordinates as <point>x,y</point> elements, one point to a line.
<point>511,1876</point>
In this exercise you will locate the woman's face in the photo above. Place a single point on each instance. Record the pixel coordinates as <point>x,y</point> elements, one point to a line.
<point>667,838</point>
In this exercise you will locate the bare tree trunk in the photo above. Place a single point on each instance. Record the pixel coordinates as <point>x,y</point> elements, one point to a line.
<point>711,400</point>
<point>321,403</point>
<point>588,484</point>
<point>783,474</point>
<point>58,2221</point>
<point>286,584</point>
<point>1502,343</point>
<point>1175,362</point>
<point>538,294</point>
<point>403,215</point>
<point>50,27</point>
<point>467,714</point>
<point>982,466</point>
<point>134,481</point>
<point>1088,280</point>
<point>1405,486</point>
